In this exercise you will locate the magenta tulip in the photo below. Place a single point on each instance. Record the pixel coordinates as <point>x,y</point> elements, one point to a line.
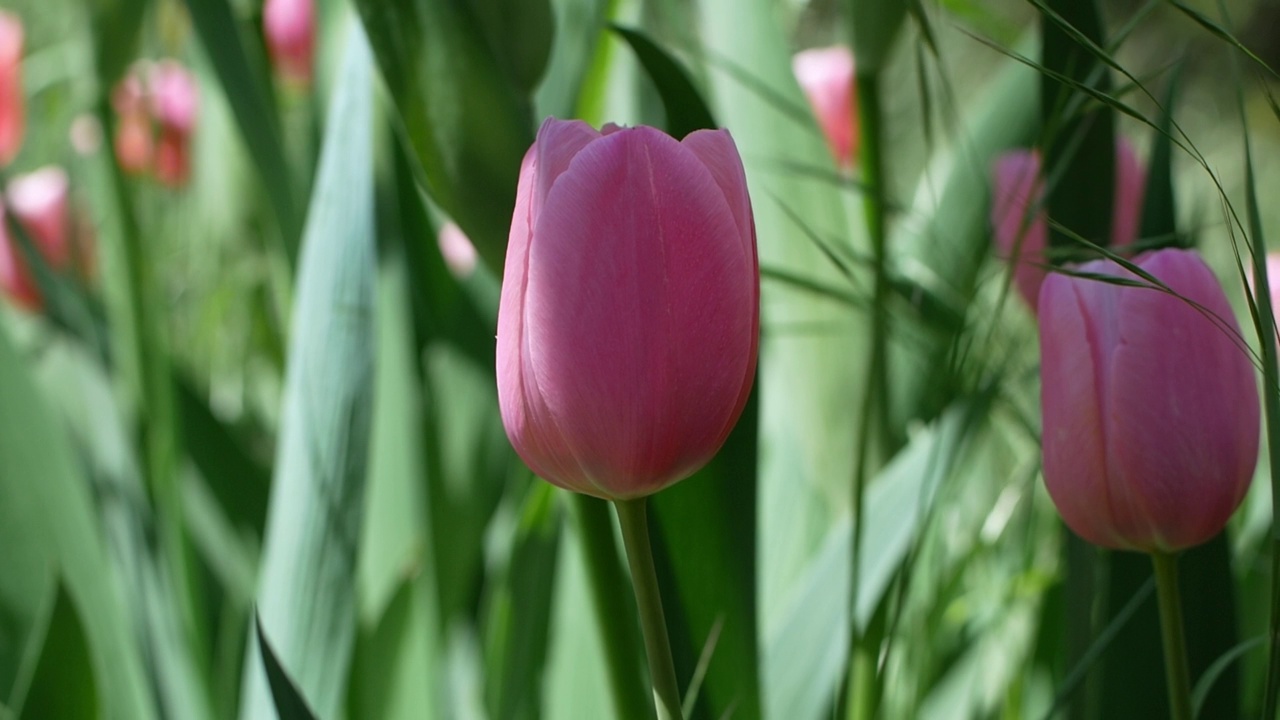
<point>1018,215</point>
<point>826,75</point>
<point>1150,405</point>
<point>12,104</point>
<point>289,26</point>
<point>629,318</point>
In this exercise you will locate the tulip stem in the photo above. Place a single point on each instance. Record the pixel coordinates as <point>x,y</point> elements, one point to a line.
<point>635,536</point>
<point>1175,646</point>
<point>608,588</point>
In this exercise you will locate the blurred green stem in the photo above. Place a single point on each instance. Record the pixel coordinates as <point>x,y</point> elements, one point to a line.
<point>1175,646</point>
<point>608,594</point>
<point>635,537</point>
<point>860,690</point>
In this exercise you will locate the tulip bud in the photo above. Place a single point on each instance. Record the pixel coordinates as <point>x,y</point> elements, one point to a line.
<point>39,202</point>
<point>629,318</point>
<point>133,142</point>
<point>1018,213</point>
<point>1149,402</point>
<point>458,252</point>
<point>289,26</point>
<point>11,100</point>
<point>175,102</point>
<point>826,75</point>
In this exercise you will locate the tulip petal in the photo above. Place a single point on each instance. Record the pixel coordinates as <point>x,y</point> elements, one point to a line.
<point>1019,237</point>
<point>1131,185</point>
<point>1186,454</point>
<point>1075,471</point>
<point>559,141</point>
<point>638,221</point>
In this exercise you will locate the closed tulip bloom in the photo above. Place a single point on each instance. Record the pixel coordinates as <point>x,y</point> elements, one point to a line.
<point>1019,221</point>
<point>175,103</point>
<point>289,26</point>
<point>629,316</point>
<point>39,202</point>
<point>826,75</point>
<point>134,144</point>
<point>1149,403</point>
<point>12,118</point>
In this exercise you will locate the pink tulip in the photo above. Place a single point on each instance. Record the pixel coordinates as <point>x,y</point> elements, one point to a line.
<point>175,103</point>
<point>39,202</point>
<point>289,26</point>
<point>1018,190</point>
<point>11,100</point>
<point>826,75</point>
<point>134,144</point>
<point>458,252</point>
<point>1149,402</point>
<point>629,317</point>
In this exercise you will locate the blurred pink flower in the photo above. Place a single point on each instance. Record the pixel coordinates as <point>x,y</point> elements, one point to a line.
<point>134,144</point>
<point>289,26</point>
<point>175,104</point>
<point>1150,407</point>
<point>1019,222</point>
<point>826,75</point>
<point>12,103</point>
<point>39,201</point>
<point>459,254</point>
<point>629,319</point>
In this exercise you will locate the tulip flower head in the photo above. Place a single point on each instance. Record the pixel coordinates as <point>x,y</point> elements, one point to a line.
<point>629,317</point>
<point>289,26</point>
<point>175,100</point>
<point>458,252</point>
<point>39,203</point>
<point>826,75</point>
<point>1018,215</point>
<point>134,144</point>
<point>1150,407</point>
<point>12,104</point>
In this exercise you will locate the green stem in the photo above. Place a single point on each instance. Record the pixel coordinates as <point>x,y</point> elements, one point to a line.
<point>1175,646</point>
<point>1273,662</point>
<point>635,537</point>
<point>608,593</point>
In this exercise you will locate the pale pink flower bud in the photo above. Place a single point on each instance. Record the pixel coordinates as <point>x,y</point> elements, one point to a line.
<point>826,75</point>
<point>1150,406</point>
<point>289,26</point>
<point>175,104</point>
<point>629,319</point>
<point>39,203</point>
<point>458,252</point>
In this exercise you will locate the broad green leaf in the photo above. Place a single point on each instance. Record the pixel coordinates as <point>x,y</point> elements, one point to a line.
<point>242,72</point>
<point>289,703</point>
<point>62,681</point>
<point>1079,145</point>
<point>307,591</point>
<point>396,672</point>
<point>517,610</point>
<point>708,581</point>
<point>812,350</point>
<point>48,526</point>
<point>684,106</point>
<point>876,24</point>
<point>1159,208</point>
<point>520,34</point>
<point>117,25</point>
<point>468,125</point>
<point>580,25</point>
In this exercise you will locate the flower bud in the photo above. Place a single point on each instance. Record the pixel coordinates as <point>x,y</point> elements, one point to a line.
<point>175,103</point>
<point>629,318</point>
<point>39,202</point>
<point>458,252</point>
<point>1018,212</point>
<point>826,75</point>
<point>1149,402</point>
<point>289,26</point>
<point>133,142</point>
<point>12,119</point>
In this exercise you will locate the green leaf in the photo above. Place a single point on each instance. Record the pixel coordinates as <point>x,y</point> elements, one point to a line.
<point>289,703</point>
<point>875,27</point>
<point>580,26</point>
<point>684,106</point>
<point>1159,208</point>
<point>117,25</point>
<point>518,609</point>
<point>307,595</point>
<point>707,581</point>
<point>468,126</point>
<point>62,684</point>
<point>395,675</point>
<point>48,526</point>
<point>1079,145</point>
<point>242,74</point>
<point>520,34</point>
